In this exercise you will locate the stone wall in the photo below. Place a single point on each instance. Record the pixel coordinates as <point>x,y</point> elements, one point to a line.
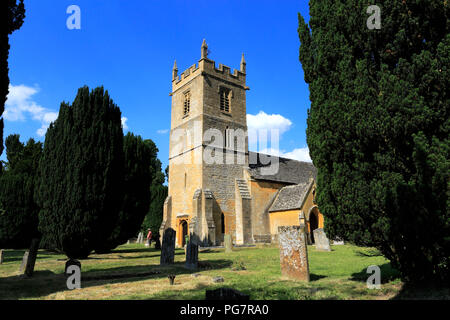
<point>263,193</point>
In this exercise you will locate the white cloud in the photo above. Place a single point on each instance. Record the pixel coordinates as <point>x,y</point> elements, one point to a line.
<point>300,154</point>
<point>124,123</point>
<point>20,105</point>
<point>259,130</point>
<point>268,121</point>
<point>163,131</point>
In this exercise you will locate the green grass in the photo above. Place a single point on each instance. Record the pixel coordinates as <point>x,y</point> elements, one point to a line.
<point>339,274</point>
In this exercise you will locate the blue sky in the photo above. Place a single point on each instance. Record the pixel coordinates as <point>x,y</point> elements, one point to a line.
<point>129,47</point>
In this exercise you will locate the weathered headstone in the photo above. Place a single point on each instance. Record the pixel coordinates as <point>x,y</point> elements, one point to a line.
<point>29,258</point>
<point>293,252</point>
<point>228,242</point>
<point>1,256</point>
<point>225,294</point>
<point>168,247</point>
<point>191,256</point>
<point>338,242</point>
<point>321,240</point>
<point>140,238</point>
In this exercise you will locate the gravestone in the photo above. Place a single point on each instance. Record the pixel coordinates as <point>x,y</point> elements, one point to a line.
<point>1,256</point>
<point>191,256</point>
<point>293,252</point>
<point>157,243</point>
<point>321,240</point>
<point>338,242</point>
<point>225,294</point>
<point>168,247</point>
<point>228,243</point>
<point>140,238</point>
<point>29,258</point>
<point>71,262</point>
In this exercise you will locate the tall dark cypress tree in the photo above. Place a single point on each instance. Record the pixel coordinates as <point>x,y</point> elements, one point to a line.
<point>378,127</point>
<point>158,192</point>
<point>18,210</point>
<point>11,19</point>
<point>81,174</point>
<point>138,156</point>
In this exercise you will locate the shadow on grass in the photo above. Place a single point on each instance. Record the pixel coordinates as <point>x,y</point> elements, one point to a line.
<point>266,291</point>
<point>370,252</point>
<point>387,274</point>
<point>47,282</point>
<point>315,277</point>
<point>12,256</point>
<point>17,255</point>
<point>423,291</point>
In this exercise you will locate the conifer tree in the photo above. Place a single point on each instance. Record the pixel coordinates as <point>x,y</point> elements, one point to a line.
<point>81,174</point>
<point>12,15</point>
<point>158,192</point>
<point>138,156</point>
<point>378,127</point>
<point>18,210</point>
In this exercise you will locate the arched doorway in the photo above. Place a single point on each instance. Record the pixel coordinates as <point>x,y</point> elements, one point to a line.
<point>313,223</point>
<point>184,232</point>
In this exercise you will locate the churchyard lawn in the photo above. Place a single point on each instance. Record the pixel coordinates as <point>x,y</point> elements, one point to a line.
<point>133,272</point>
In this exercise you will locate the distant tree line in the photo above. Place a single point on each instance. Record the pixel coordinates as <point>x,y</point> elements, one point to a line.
<point>87,188</point>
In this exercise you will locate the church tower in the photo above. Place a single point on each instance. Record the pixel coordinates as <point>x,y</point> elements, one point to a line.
<point>208,154</point>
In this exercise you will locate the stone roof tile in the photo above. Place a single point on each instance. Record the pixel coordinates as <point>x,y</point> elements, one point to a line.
<point>291,197</point>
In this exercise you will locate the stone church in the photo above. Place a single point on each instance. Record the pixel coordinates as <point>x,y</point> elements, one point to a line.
<point>217,186</point>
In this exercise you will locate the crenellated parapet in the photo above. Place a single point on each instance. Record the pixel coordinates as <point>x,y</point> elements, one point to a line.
<point>207,67</point>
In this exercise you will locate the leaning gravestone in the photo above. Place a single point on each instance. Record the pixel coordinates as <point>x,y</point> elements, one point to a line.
<point>29,258</point>
<point>293,252</point>
<point>191,256</point>
<point>321,240</point>
<point>228,243</point>
<point>168,247</point>
<point>1,256</point>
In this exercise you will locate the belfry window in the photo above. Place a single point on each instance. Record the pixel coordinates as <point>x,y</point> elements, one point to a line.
<point>187,103</point>
<point>224,100</point>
